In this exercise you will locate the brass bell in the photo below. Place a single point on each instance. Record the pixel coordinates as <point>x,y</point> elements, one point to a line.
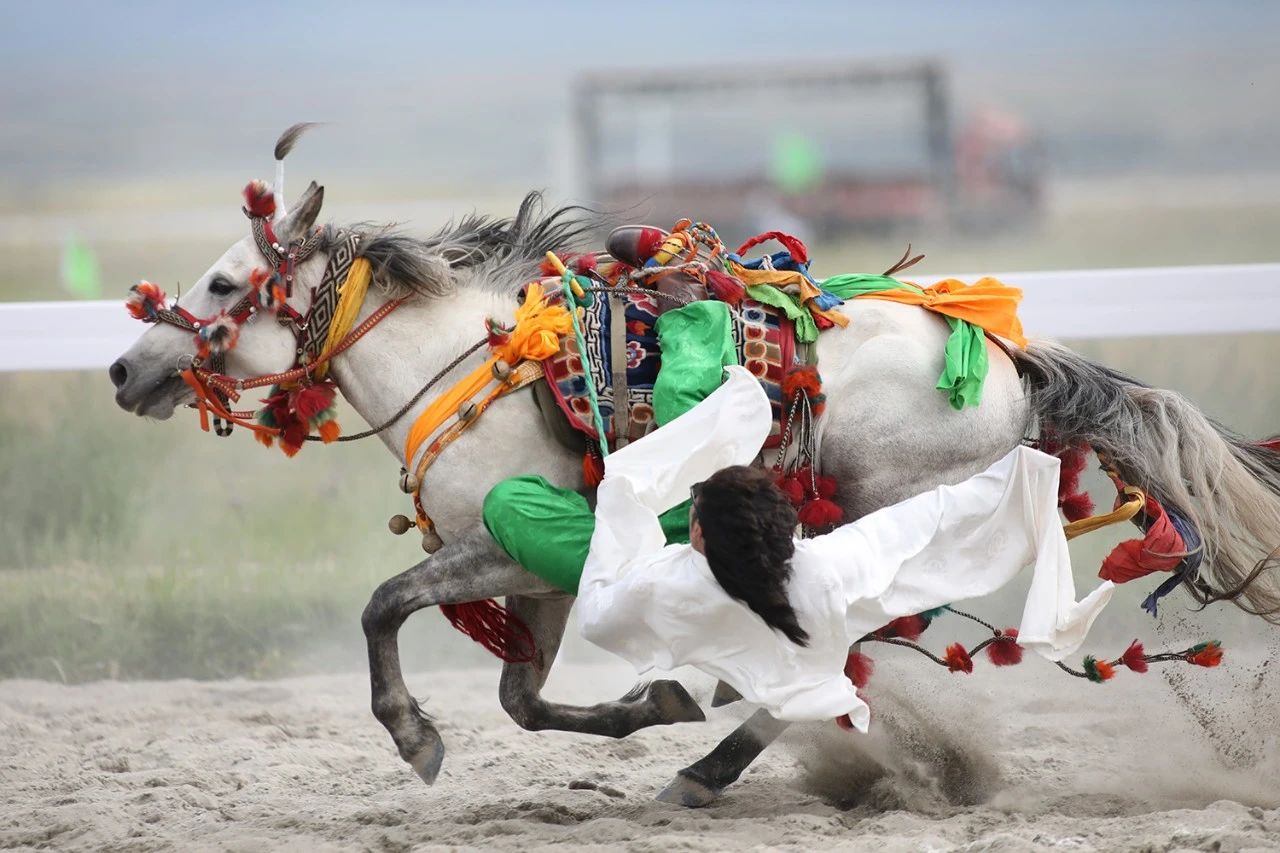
<point>408,482</point>
<point>467,411</point>
<point>431,541</point>
<point>399,524</point>
<point>501,370</point>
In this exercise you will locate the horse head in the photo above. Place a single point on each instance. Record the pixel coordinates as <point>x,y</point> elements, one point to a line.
<point>231,311</point>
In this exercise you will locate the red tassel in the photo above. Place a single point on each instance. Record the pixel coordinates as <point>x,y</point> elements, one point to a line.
<point>1206,654</point>
<point>258,199</point>
<point>494,627</point>
<point>859,668</point>
<point>844,722</point>
<point>958,659</point>
<point>1135,657</point>
<point>725,287</point>
<point>592,470</point>
<point>826,487</point>
<point>905,627</point>
<point>1077,506</point>
<point>1005,652</point>
<point>820,513</point>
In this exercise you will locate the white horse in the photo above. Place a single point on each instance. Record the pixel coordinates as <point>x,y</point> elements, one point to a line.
<point>886,435</point>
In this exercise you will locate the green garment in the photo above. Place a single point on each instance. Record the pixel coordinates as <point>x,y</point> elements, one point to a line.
<point>548,530</point>
<point>806,326</point>
<point>697,344</point>
<point>965,354</point>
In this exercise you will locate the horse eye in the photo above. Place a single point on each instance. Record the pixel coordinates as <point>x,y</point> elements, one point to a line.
<point>221,287</point>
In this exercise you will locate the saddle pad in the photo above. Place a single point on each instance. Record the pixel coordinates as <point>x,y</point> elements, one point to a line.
<point>764,340</point>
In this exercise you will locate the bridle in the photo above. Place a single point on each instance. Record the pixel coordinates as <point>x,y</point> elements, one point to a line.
<point>316,343</point>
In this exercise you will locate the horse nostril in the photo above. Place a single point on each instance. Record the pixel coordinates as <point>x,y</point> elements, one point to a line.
<point>118,372</point>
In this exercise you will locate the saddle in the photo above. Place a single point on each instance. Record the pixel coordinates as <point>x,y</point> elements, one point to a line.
<point>622,350</point>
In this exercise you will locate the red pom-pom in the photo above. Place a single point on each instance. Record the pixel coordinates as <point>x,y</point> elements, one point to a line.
<point>791,487</point>
<point>144,300</point>
<point>1098,671</point>
<point>958,659</point>
<point>859,668</point>
<point>329,431</point>
<point>1005,652</point>
<point>826,487</point>
<point>311,400</point>
<point>906,627</point>
<point>1134,657</point>
<point>844,722</point>
<point>258,199</point>
<point>1077,506</point>
<point>805,380</point>
<point>820,513</point>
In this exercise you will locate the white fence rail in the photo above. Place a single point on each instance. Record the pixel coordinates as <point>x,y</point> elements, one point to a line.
<point>1071,304</point>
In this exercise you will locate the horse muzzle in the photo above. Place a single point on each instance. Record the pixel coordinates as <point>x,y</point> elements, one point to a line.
<point>147,392</point>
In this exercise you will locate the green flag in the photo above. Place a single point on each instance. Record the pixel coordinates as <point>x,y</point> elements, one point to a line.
<point>80,275</point>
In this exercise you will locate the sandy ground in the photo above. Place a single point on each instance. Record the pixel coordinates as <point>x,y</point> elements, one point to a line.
<point>1053,763</point>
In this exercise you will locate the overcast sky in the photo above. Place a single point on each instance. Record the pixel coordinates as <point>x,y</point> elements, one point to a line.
<point>458,92</point>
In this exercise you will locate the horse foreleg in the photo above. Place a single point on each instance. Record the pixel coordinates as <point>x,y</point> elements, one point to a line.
<point>655,704</point>
<point>470,569</point>
<point>701,783</point>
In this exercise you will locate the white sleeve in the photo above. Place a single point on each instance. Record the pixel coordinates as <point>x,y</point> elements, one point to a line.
<point>964,541</point>
<point>654,474</point>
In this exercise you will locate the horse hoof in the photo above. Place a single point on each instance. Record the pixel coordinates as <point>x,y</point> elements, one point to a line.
<point>688,792</point>
<point>724,695</point>
<point>674,703</point>
<point>426,762</point>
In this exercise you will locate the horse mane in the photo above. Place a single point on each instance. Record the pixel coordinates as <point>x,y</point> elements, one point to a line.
<point>498,255</point>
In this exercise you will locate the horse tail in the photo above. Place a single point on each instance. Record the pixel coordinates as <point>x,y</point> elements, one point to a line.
<point>1226,486</point>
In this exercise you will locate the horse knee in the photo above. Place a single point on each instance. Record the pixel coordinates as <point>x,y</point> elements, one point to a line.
<point>380,614</point>
<point>523,707</point>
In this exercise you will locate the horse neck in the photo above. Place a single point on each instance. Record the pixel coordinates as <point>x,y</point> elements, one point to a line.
<point>385,368</point>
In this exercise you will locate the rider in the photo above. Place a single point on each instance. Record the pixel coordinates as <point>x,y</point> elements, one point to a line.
<point>774,617</point>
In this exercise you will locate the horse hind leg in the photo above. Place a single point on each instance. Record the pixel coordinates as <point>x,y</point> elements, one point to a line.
<point>658,703</point>
<point>702,782</point>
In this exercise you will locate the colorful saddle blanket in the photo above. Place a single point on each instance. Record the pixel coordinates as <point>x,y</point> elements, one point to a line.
<point>764,340</point>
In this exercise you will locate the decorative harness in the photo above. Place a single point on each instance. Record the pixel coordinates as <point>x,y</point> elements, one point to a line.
<point>302,395</point>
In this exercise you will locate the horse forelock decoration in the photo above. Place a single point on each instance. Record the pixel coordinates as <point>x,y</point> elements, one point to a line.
<point>885,433</point>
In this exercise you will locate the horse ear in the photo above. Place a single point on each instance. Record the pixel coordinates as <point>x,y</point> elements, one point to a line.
<point>303,215</point>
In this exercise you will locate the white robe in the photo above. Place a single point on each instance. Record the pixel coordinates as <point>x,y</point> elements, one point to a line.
<point>659,606</point>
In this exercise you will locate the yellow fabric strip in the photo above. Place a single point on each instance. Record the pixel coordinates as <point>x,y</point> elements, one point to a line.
<point>535,337</point>
<point>350,297</point>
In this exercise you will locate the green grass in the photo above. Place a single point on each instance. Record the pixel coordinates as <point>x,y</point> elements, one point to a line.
<point>146,550</point>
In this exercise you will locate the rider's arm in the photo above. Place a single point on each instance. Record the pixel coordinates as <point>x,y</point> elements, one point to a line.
<point>654,474</point>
